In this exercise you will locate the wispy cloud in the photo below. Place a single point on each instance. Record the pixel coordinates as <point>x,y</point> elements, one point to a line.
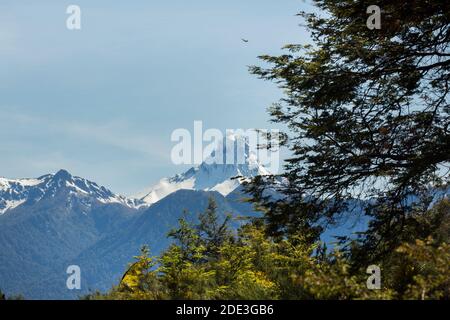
<point>115,133</point>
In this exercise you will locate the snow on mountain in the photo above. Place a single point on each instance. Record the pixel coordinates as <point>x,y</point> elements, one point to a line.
<point>211,175</point>
<point>15,192</point>
<point>439,195</point>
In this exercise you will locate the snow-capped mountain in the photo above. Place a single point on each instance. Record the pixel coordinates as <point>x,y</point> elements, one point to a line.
<point>59,220</point>
<point>14,193</point>
<point>48,221</point>
<point>211,175</point>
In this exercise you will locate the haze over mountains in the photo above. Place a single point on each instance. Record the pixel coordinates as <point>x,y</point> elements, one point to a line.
<point>57,220</point>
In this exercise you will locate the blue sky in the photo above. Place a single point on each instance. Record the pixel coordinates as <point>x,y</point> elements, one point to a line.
<point>102,102</point>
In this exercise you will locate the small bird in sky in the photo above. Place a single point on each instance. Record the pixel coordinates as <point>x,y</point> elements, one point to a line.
<point>245,40</point>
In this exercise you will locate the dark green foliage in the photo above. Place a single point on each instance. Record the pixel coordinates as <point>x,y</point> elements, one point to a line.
<point>368,117</point>
<point>252,265</point>
<point>213,234</point>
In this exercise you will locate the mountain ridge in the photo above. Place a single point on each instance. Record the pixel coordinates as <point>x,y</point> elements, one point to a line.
<point>16,192</point>
<point>216,173</point>
<point>56,220</point>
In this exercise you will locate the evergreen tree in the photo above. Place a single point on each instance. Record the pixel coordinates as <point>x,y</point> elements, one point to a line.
<point>181,268</point>
<point>257,266</point>
<point>368,117</point>
<point>213,233</point>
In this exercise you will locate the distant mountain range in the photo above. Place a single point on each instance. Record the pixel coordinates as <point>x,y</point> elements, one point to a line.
<point>57,220</point>
<point>14,193</point>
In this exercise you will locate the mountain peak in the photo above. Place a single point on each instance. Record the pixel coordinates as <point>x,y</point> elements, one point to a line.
<point>232,157</point>
<point>14,193</point>
<point>62,175</point>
